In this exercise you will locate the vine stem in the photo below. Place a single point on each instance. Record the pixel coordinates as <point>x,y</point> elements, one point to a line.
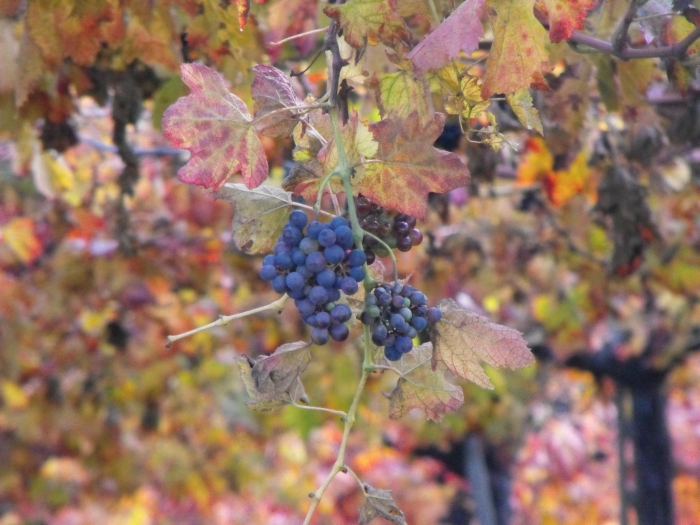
<point>278,305</point>
<point>339,465</point>
<point>300,35</point>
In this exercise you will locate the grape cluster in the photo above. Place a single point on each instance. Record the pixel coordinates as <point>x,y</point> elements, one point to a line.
<point>397,313</point>
<point>397,230</point>
<point>313,265</point>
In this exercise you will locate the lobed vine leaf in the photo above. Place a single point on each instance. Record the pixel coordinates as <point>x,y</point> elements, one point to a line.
<point>380,504</point>
<point>215,126</point>
<point>272,91</point>
<point>423,387</point>
<point>273,381</point>
<point>398,94</point>
<point>463,339</point>
<point>521,104</point>
<point>565,16</point>
<point>518,57</point>
<point>460,32</point>
<point>370,22</point>
<point>407,167</point>
<point>259,215</point>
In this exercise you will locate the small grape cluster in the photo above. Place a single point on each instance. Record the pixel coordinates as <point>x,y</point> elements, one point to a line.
<point>313,265</point>
<point>397,230</point>
<point>397,313</point>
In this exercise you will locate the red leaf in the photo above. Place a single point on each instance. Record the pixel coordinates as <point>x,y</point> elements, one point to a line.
<point>216,128</point>
<point>408,167</point>
<point>273,91</point>
<point>460,32</point>
<point>243,8</point>
<point>565,16</point>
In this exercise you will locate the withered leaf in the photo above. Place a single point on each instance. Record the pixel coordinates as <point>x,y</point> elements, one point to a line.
<point>259,215</point>
<point>422,387</point>
<point>272,91</point>
<point>463,339</point>
<point>273,381</point>
<point>380,504</point>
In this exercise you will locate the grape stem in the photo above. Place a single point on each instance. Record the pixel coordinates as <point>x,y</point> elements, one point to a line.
<point>277,305</point>
<point>320,409</point>
<point>339,464</point>
<point>391,254</point>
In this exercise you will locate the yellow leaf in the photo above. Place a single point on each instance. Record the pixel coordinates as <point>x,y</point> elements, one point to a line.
<point>20,237</point>
<point>13,396</point>
<point>521,103</point>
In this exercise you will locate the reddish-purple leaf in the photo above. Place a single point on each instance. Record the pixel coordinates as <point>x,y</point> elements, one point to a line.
<point>460,32</point>
<point>215,126</point>
<point>272,92</point>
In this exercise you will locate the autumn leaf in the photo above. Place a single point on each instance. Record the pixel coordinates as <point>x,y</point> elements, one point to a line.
<point>459,33</point>
<point>259,215</point>
<point>215,126</point>
<point>273,381</point>
<point>463,339</point>
<point>518,56</point>
<point>19,235</point>
<point>521,104</point>
<point>272,91</point>
<point>461,93</point>
<point>243,7</point>
<point>422,387</point>
<point>398,94</point>
<point>408,167</point>
<point>369,22</point>
<point>380,504</point>
<point>565,16</point>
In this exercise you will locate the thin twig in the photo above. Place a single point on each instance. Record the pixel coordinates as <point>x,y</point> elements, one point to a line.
<point>619,37</point>
<point>300,35</point>
<point>348,470</point>
<point>278,305</point>
<point>320,409</point>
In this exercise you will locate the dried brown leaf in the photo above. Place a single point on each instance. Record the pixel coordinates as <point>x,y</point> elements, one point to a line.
<point>380,504</point>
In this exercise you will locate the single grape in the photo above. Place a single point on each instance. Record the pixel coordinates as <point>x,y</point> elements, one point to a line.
<point>407,290</point>
<point>268,272</point>
<point>338,222</point>
<point>371,300</point>
<point>411,221</point>
<point>403,344</point>
<point>329,306</point>
<point>384,229</point>
<point>280,247</point>
<point>341,313</point>
<point>339,332</point>
<point>392,353</point>
<point>357,273</point>
<point>308,245</point>
<point>406,302</point>
<point>373,311</point>
<point>401,228</point>
<point>305,272</point>
<point>416,237</point>
<point>316,262</point>
<point>326,237</point>
<point>269,260</point>
<point>311,320</point>
<point>334,254</point>
<point>379,333</point>
<point>325,278</point>
<point>298,257</point>
<point>418,298</point>
<point>396,288</point>
<point>305,307</point>
<point>279,284</point>
<point>284,261</point>
<point>362,205</point>
<point>292,236</point>
<point>384,299</point>
<point>397,321</point>
<point>298,219</point>
<point>397,301</point>
<point>404,244</point>
<point>411,333</point>
<point>433,315</point>
<point>296,294</point>
<point>406,313</point>
<point>295,281</point>
<point>419,323</point>
<point>333,294</point>
<point>371,257</point>
<point>348,285</point>
<point>356,258</point>
<point>318,295</point>
<point>421,311</point>
<point>343,236</point>
<point>390,340</point>
<point>314,229</point>
<point>371,225</point>
<point>319,336</point>
<point>323,320</point>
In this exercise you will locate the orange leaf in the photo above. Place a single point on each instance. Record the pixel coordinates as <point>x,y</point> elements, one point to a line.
<point>20,237</point>
<point>565,16</point>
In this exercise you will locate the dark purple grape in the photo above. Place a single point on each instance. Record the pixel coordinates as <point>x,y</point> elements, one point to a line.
<point>326,278</point>
<point>362,205</point>
<point>269,260</point>
<point>318,295</point>
<point>333,294</point>
<point>298,257</point>
<point>401,228</point>
<point>298,219</point>
<point>316,262</point>
<point>314,229</point>
<point>371,225</point>
<point>370,257</point>
<point>339,332</point>
<point>268,272</point>
<point>397,321</point>
<point>343,236</point>
<point>419,323</point>
<point>384,229</point>
<point>284,261</point>
<point>403,344</point>
<point>305,307</point>
<point>334,254</point>
<point>348,285</point>
<point>292,236</point>
<point>418,298</point>
<point>433,315</point>
<point>326,237</point>
<point>411,221</point>
<point>341,313</point>
<point>319,336</point>
<point>338,222</point>
<point>323,320</point>
<point>392,353</point>
<point>357,273</point>
<point>416,237</point>
<point>404,244</point>
<point>280,247</point>
<point>295,281</point>
<point>356,258</point>
<point>397,301</point>
<point>379,333</point>
<point>279,285</point>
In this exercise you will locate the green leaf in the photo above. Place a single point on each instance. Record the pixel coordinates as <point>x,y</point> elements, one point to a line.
<point>398,94</point>
<point>521,104</point>
<point>259,215</point>
<point>369,22</point>
<point>423,387</point>
<point>463,339</point>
